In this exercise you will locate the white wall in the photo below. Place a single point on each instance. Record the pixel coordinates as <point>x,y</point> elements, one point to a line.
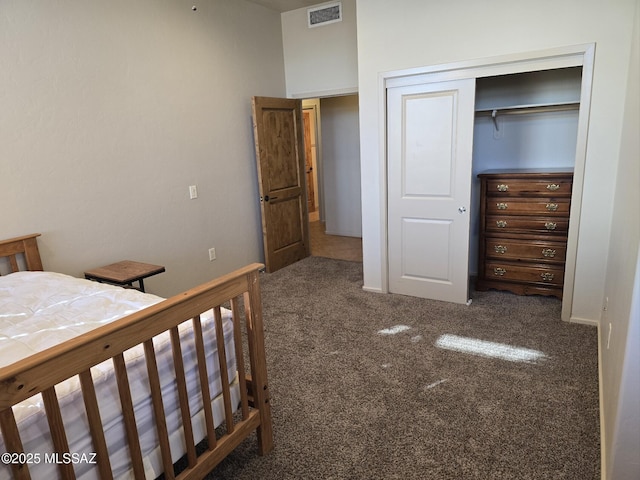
<point>415,33</point>
<point>320,61</point>
<point>341,166</point>
<point>110,110</point>
<point>620,355</point>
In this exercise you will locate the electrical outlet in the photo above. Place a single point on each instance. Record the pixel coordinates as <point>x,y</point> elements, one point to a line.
<point>212,254</point>
<point>193,192</point>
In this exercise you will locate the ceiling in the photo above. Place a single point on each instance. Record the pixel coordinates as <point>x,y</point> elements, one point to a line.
<point>286,5</point>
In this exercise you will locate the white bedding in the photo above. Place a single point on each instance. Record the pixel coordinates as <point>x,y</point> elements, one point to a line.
<point>42,309</point>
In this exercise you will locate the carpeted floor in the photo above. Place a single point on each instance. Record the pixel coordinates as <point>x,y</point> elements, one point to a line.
<point>350,402</point>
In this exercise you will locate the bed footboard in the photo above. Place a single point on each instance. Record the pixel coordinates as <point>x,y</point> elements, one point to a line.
<point>40,373</point>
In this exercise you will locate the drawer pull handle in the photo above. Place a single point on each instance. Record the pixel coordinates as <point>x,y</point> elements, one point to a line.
<point>548,252</point>
<point>501,224</point>
<point>503,188</point>
<point>499,272</point>
<point>552,207</point>
<point>501,206</point>
<point>500,249</point>
<point>547,277</point>
<point>550,225</point>
<point>552,187</point>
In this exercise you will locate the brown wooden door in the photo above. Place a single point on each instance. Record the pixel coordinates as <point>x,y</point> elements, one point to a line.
<point>278,133</point>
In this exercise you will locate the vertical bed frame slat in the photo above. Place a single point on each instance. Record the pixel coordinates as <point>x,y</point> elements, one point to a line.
<point>95,425</point>
<point>13,443</point>
<point>260,387</point>
<point>13,261</point>
<point>158,409</point>
<point>56,428</point>
<point>224,376</point>
<point>237,336</point>
<point>183,397</point>
<point>204,382</point>
<point>131,429</point>
<point>31,252</point>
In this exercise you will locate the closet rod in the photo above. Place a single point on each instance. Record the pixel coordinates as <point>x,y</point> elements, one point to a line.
<point>524,109</point>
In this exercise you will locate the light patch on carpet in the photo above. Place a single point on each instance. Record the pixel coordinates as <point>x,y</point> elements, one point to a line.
<point>484,348</point>
<point>435,384</point>
<point>393,330</point>
<point>386,365</point>
<point>416,338</point>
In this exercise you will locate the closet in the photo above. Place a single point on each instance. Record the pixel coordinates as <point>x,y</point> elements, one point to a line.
<point>446,124</point>
<point>523,122</point>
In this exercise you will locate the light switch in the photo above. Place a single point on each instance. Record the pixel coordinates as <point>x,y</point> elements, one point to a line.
<point>193,192</point>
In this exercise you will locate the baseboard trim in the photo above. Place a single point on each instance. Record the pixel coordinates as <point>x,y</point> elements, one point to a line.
<point>372,290</point>
<point>585,321</point>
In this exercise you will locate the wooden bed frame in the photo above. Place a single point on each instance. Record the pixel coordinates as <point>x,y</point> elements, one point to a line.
<point>39,373</point>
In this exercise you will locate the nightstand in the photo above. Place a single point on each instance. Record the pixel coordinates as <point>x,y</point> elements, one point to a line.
<point>124,273</point>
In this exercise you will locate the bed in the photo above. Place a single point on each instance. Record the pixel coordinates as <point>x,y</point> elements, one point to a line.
<point>98,381</point>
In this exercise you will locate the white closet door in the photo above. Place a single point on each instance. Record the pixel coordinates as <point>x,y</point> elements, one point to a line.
<point>430,142</point>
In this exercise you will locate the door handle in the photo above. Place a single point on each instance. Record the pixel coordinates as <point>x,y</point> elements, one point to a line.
<point>266,198</point>
<point>462,209</point>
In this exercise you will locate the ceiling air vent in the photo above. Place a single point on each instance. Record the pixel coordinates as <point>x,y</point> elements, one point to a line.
<point>325,14</point>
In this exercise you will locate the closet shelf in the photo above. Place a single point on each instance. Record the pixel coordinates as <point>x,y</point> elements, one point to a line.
<point>525,109</point>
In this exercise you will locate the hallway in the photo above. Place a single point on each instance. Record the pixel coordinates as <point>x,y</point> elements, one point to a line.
<point>334,246</point>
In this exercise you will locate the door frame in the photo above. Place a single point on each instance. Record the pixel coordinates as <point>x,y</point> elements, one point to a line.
<point>313,104</point>
<point>562,57</point>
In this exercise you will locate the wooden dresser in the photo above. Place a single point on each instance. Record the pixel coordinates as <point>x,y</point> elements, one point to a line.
<point>524,219</point>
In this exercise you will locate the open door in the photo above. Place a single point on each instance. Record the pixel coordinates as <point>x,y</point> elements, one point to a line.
<point>278,135</point>
<point>430,142</point>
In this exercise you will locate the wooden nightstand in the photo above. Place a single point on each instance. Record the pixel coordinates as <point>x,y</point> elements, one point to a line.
<point>124,273</point>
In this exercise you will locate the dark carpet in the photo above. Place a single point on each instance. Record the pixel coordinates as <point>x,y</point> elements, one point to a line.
<point>350,402</point>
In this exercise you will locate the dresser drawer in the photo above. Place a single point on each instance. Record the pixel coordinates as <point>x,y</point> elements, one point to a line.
<point>528,206</point>
<point>505,186</point>
<point>512,249</point>
<point>545,275</point>
<point>522,224</point>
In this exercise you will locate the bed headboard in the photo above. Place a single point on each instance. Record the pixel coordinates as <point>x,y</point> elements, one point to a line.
<point>21,253</point>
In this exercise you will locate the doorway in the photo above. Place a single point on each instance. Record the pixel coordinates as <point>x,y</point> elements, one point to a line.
<point>333,152</point>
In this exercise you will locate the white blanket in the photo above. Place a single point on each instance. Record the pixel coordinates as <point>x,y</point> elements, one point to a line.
<point>42,309</point>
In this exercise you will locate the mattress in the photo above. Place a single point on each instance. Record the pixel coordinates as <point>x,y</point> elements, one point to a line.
<point>42,309</point>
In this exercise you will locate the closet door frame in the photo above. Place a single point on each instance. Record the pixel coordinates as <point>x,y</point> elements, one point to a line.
<point>563,57</point>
